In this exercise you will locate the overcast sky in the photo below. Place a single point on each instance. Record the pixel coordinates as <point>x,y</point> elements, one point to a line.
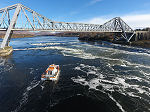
<point>136,13</point>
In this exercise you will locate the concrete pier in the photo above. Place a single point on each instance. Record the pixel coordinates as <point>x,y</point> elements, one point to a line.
<point>6,51</point>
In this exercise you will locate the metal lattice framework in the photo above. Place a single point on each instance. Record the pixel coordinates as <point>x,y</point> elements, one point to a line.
<point>24,18</point>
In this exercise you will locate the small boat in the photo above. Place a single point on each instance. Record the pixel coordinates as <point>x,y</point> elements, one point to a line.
<point>52,73</point>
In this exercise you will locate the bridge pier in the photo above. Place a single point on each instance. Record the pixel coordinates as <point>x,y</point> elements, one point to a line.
<point>5,49</point>
<point>7,37</point>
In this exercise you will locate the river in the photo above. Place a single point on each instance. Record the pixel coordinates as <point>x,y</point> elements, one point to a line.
<point>94,75</point>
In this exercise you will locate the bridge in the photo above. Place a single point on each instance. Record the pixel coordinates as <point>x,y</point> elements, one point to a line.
<point>21,18</point>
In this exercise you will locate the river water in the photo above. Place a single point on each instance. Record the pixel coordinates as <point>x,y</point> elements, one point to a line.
<point>95,76</point>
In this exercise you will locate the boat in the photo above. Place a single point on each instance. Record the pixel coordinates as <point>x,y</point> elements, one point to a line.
<point>51,73</point>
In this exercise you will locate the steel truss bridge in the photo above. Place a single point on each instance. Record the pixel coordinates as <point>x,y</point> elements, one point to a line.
<point>21,18</point>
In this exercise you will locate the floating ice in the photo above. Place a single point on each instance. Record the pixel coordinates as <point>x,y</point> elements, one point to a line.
<point>109,83</point>
<point>45,44</point>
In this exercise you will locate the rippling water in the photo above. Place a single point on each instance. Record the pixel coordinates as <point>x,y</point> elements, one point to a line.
<point>94,75</point>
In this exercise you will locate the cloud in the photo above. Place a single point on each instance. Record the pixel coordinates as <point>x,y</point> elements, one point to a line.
<point>74,13</point>
<point>94,2</point>
<point>137,21</point>
<point>134,21</point>
<point>96,20</point>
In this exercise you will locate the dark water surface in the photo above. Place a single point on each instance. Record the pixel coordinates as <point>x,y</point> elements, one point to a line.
<point>95,76</point>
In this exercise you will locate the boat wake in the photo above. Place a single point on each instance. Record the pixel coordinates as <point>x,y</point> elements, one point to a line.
<point>24,99</point>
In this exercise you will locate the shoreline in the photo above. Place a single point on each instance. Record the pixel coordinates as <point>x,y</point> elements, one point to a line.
<point>140,43</point>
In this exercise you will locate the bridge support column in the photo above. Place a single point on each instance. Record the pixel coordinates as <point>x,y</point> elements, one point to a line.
<point>7,37</point>
<point>131,37</point>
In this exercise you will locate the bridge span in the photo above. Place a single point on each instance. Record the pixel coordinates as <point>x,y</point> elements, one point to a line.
<point>21,18</point>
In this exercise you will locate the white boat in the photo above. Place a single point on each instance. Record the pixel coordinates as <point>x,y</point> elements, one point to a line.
<point>51,73</point>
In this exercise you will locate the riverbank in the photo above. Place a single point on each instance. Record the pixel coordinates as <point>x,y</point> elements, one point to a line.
<point>22,34</point>
<point>82,36</point>
<point>96,36</point>
<point>139,43</point>
<point>18,35</point>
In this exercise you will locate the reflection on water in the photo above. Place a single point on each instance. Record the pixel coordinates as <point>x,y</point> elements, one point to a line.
<point>102,75</point>
<point>2,61</point>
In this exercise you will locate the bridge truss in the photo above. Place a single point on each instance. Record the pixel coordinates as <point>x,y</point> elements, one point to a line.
<point>21,18</point>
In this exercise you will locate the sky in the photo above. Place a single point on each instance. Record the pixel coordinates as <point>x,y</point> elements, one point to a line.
<point>136,13</point>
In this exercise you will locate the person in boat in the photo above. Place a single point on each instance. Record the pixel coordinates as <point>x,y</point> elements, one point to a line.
<point>54,71</point>
<point>49,72</point>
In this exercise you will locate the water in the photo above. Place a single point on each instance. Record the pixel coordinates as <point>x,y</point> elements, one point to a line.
<point>96,76</point>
